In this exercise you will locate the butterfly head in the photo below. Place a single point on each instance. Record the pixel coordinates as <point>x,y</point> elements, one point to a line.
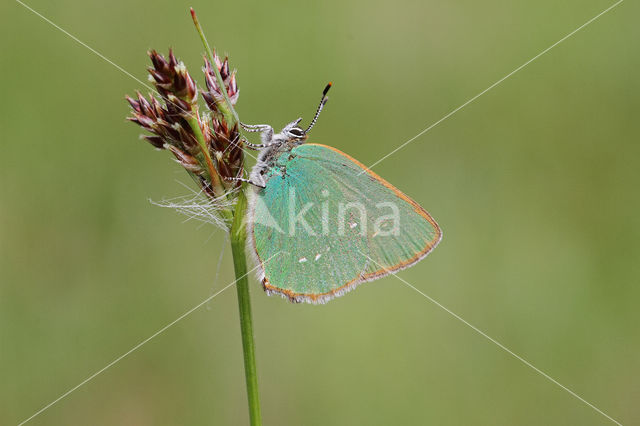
<point>293,132</point>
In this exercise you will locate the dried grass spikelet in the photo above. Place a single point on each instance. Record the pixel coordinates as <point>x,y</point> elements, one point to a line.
<point>206,144</point>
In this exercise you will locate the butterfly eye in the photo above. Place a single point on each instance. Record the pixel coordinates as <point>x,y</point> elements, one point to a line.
<point>296,131</point>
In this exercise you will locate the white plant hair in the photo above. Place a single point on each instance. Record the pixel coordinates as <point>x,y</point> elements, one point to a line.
<point>198,206</point>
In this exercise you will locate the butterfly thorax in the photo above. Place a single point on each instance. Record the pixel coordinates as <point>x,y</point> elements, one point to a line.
<point>270,159</point>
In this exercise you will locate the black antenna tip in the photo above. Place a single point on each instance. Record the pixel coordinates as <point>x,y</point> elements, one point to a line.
<point>326,89</point>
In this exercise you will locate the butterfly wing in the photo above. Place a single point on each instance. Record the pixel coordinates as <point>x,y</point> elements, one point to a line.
<point>325,224</point>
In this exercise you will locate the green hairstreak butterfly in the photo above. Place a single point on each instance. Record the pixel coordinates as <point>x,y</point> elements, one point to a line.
<point>326,222</point>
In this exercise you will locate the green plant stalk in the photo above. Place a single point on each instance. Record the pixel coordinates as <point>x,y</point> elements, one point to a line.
<point>231,116</point>
<point>214,176</point>
<point>238,235</point>
<point>238,241</point>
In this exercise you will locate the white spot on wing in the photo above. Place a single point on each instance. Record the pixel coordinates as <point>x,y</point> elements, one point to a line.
<point>302,259</point>
<point>353,225</point>
<point>318,256</point>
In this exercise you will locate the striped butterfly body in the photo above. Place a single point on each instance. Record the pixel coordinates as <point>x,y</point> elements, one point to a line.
<point>320,222</point>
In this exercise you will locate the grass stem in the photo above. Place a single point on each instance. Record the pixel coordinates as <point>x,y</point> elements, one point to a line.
<point>238,240</point>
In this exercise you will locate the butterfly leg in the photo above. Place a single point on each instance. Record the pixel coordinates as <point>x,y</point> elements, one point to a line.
<point>266,132</point>
<point>252,182</point>
<point>253,146</point>
<point>257,146</point>
<point>255,127</point>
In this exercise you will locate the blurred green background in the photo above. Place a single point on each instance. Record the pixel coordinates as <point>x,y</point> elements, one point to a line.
<point>535,185</point>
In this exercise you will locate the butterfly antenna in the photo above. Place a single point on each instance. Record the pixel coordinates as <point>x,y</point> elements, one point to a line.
<point>319,110</point>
